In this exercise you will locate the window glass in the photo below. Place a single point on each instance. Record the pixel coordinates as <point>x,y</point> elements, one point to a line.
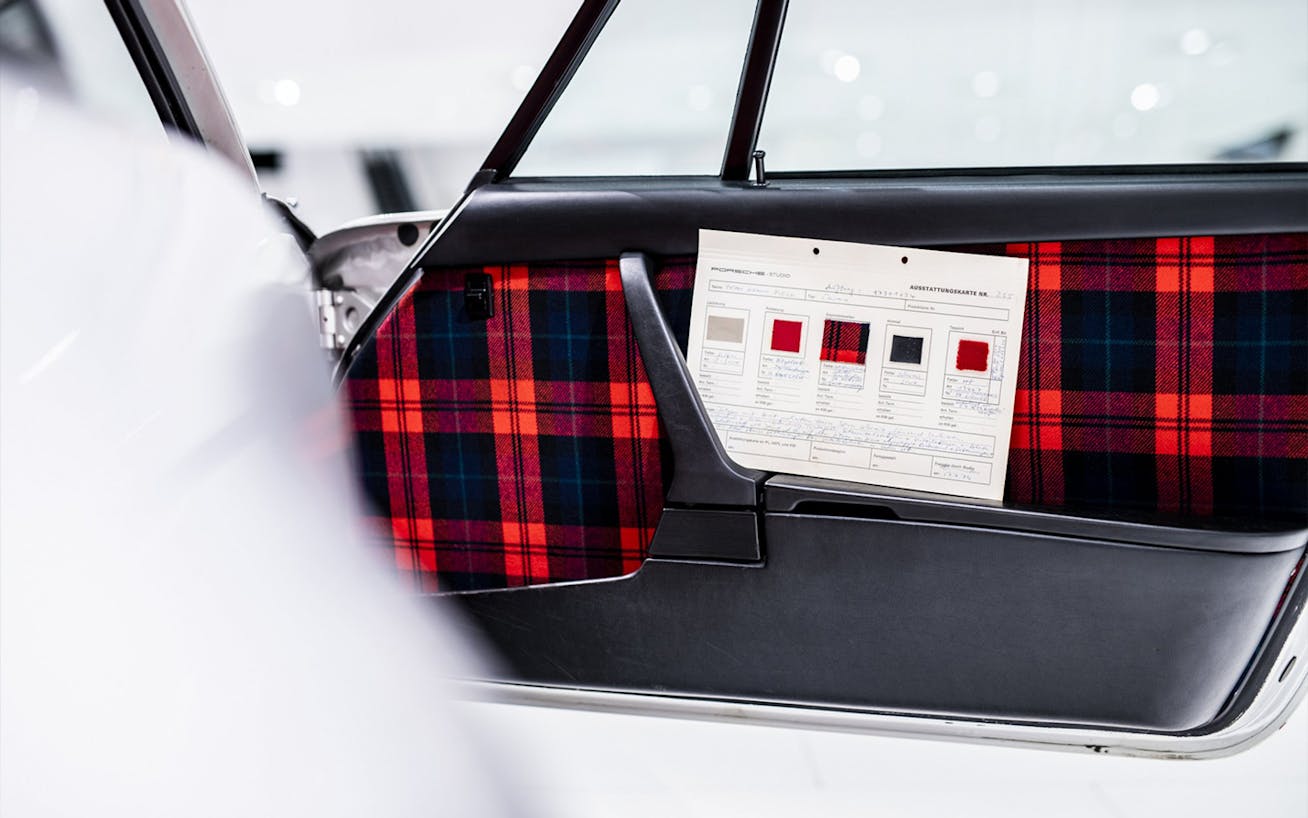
<point>956,83</point>
<point>362,108</point>
<point>100,71</point>
<point>653,97</point>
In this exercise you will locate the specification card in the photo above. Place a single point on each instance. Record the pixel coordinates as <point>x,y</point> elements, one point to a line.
<point>861,362</point>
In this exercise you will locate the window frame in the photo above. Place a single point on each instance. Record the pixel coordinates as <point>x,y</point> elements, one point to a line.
<point>162,43</point>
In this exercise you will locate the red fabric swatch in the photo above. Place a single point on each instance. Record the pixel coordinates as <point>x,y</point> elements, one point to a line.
<point>785,335</point>
<point>973,356</point>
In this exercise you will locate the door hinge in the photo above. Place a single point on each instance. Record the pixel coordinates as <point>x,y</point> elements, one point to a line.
<point>340,314</point>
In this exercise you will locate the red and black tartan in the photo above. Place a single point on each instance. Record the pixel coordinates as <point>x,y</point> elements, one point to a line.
<point>519,450</point>
<point>844,341</point>
<point>1166,375</point>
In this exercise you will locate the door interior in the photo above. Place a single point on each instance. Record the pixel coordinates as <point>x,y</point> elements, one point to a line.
<point>537,455</point>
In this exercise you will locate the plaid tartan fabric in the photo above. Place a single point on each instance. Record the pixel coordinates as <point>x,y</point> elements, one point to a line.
<point>520,450</point>
<point>844,342</point>
<point>1157,375</point>
<point>1165,375</point>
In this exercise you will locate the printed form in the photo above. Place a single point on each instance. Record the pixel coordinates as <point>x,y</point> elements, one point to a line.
<point>882,365</point>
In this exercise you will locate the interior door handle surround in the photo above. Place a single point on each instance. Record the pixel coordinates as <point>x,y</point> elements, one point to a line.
<point>703,474</point>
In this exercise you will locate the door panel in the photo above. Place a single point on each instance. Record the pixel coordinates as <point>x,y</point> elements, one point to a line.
<point>1140,574</point>
<point>1158,376</point>
<point>904,616</point>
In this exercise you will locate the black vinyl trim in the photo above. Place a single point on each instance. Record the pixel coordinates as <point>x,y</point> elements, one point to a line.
<point>752,94</point>
<point>156,74</point>
<point>1265,662</point>
<point>1024,638</point>
<point>544,93</point>
<point>601,218</point>
<point>796,494</point>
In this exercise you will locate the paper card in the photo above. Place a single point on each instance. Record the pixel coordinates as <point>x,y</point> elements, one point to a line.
<point>884,365</point>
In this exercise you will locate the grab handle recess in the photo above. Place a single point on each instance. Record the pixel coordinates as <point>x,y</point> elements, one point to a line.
<point>702,473</point>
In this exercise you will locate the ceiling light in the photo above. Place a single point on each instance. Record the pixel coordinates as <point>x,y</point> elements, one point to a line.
<point>1144,97</point>
<point>286,92</point>
<point>846,68</point>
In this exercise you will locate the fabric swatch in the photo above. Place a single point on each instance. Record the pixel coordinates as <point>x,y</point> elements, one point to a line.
<point>906,349</point>
<point>844,342</point>
<point>786,335</point>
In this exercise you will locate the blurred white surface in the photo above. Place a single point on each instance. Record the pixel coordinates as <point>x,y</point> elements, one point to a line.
<point>190,623</point>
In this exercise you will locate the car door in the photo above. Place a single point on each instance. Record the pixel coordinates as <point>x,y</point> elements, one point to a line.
<point>529,431</point>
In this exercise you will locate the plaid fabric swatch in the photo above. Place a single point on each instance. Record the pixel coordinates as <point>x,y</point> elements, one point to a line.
<point>844,341</point>
<point>519,450</point>
<point>1157,375</point>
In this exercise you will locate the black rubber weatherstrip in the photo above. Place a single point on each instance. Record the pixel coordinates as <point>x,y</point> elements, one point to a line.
<point>155,72</point>
<point>553,78</point>
<point>751,96</point>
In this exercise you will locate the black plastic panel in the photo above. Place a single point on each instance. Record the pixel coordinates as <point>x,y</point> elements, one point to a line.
<point>912,617</point>
<point>791,493</point>
<point>532,221</point>
<point>707,534</point>
<point>703,473</point>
